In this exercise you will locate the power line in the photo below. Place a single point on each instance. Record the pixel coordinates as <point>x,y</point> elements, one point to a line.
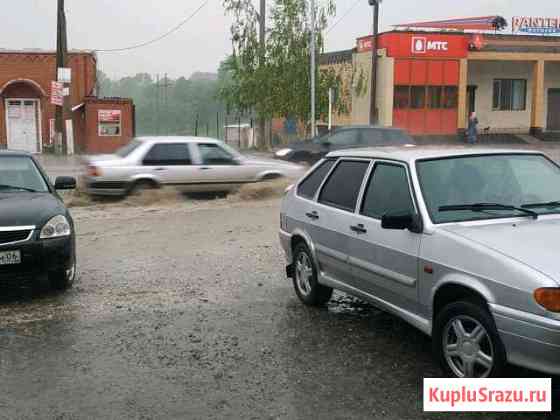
<point>165,35</point>
<point>344,16</point>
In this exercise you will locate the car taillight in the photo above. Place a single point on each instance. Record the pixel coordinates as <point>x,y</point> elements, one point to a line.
<point>548,298</point>
<point>93,171</point>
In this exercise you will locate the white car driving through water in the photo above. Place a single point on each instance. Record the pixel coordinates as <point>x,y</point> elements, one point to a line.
<point>191,164</point>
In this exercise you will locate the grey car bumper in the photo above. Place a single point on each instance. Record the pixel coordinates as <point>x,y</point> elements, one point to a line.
<point>530,340</point>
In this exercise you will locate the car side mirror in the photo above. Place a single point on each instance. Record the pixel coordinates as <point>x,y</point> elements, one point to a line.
<point>401,222</point>
<point>65,183</point>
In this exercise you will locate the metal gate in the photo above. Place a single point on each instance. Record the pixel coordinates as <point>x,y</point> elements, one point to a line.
<point>22,122</point>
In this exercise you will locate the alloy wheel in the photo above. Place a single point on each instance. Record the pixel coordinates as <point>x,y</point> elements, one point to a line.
<point>304,274</point>
<point>468,348</point>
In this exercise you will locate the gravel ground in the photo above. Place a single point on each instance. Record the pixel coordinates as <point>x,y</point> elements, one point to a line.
<point>183,312</point>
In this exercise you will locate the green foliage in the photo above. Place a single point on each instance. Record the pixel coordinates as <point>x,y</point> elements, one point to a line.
<point>275,81</point>
<point>185,99</point>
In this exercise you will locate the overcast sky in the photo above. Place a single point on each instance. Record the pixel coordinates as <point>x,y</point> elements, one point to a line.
<point>205,41</point>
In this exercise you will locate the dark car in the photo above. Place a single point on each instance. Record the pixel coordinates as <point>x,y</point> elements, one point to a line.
<point>37,240</point>
<point>344,138</point>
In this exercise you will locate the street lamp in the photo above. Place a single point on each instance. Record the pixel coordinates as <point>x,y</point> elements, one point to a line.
<point>373,117</point>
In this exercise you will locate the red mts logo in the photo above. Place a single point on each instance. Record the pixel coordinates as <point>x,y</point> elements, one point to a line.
<point>421,45</point>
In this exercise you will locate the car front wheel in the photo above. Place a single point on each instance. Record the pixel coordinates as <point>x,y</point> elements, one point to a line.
<point>466,342</point>
<point>306,285</point>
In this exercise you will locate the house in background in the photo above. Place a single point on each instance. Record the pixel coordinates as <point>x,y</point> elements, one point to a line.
<point>94,125</point>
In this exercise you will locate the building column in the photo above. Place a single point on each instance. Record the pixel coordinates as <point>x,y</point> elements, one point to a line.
<point>537,108</point>
<point>462,106</point>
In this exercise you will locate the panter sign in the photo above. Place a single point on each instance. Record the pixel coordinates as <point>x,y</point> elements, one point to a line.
<point>536,25</point>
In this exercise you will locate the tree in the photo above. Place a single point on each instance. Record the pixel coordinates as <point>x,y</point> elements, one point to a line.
<point>279,84</point>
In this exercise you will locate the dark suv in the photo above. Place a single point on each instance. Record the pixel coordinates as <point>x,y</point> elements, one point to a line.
<point>315,149</point>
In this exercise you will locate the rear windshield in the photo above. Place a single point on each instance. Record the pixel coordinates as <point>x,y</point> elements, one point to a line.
<point>128,149</point>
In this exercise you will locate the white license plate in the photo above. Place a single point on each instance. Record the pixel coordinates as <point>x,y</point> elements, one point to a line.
<point>10,257</point>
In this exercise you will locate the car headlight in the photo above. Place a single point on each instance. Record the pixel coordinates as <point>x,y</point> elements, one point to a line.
<point>283,152</point>
<point>57,227</point>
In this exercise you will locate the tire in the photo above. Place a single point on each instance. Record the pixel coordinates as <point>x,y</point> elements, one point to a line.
<point>60,281</point>
<point>307,288</point>
<point>140,186</point>
<point>468,332</point>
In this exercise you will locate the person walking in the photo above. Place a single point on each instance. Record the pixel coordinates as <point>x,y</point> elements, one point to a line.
<point>472,131</point>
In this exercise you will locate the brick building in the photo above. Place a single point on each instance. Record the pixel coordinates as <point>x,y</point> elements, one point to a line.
<point>93,125</point>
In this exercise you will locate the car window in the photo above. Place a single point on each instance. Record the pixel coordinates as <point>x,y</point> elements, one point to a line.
<point>387,192</point>
<point>343,186</point>
<point>384,137</point>
<point>308,188</point>
<point>168,154</point>
<point>213,154</point>
<point>344,138</point>
<point>20,174</point>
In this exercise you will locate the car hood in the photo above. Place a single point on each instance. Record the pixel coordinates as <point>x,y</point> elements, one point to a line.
<point>531,242</point>
<point>28,209</point>
<point>254,160</point>
<point>307,145</point>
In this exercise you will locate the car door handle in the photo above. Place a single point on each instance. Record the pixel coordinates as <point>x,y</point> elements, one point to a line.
<point>159,169</point>
<point>312,215</point>
<point>359,229</point>
<point>205,168</point>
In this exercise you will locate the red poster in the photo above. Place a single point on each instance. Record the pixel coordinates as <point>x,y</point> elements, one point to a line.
<point>57,93</point>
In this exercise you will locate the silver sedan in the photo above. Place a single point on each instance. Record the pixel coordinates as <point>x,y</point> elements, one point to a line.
<point>461,244</point>
<point>191,164</point>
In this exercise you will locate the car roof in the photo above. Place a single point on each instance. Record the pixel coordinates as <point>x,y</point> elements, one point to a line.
<point>411,153</point>
<point>18,153</point>
<point>367,127</point>
<point>181,139</point>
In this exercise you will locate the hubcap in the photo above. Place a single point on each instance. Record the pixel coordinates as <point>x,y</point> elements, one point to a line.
<point>304,274</point>
<point>467,348</point>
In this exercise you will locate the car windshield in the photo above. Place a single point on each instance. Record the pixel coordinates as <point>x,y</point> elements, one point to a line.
<point>469,188</point>
<point>128,149</point>
<point>20,174</point>
<point>386,137</point>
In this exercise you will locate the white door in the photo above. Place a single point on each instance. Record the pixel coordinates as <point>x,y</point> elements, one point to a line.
<point>21,116</point>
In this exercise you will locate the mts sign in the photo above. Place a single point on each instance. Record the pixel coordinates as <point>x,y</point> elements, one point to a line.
<point>421,45</point>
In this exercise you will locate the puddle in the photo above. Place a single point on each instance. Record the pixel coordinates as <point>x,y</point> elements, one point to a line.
<point>341,304</point>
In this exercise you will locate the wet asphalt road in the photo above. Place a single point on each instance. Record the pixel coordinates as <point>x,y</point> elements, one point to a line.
<point>183,312</point>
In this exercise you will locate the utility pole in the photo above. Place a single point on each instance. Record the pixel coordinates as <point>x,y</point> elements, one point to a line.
<point>157,104</point>
<point>262,42</point>
<point>313,57</point>
<point>373,118</point>
<point>61,59</point>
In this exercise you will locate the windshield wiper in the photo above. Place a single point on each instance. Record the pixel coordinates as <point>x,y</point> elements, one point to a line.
<point>489,206</point>
<point>13,187</point>
<point>549,205</point>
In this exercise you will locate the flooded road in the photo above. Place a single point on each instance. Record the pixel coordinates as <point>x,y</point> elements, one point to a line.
<point>183,312</point>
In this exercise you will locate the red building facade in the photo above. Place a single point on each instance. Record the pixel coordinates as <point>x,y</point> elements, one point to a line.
<point>27,116</point>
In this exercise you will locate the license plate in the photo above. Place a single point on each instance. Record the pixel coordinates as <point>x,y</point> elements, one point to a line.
<point>10,257</point>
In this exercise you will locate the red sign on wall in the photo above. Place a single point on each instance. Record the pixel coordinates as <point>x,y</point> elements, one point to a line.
<point>418,44</point>
<point>57,93</point>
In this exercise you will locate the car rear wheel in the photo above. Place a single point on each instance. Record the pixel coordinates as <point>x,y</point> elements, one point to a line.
<point>466,342</point>
<point>141,186</point>
<point>306,285</point>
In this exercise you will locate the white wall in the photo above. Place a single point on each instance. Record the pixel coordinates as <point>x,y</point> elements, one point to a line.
<point>482,75</point>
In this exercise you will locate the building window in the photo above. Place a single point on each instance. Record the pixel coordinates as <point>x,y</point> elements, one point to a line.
<point>435,97</point>
<point>402,97</point>
<point>509,95</point>
<point>451,97</point>
<point>418,97</point>
<point>110,123</point>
